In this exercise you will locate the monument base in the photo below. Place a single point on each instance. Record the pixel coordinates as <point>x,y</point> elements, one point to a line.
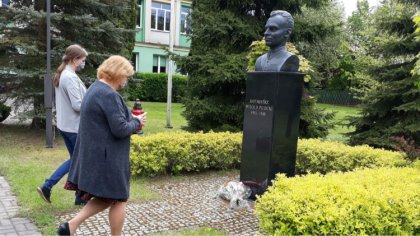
<point>271,127</point>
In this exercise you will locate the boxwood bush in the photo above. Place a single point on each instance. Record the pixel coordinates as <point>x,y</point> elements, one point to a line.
<point>152,87</point>
<point>314,155</point>
<point>383,201</point>
<point>172,153</point>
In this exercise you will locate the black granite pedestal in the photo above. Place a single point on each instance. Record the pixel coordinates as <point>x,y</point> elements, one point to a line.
<point>271,127</point>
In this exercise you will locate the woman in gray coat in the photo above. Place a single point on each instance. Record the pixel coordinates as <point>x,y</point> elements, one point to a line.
<point>100,170</point>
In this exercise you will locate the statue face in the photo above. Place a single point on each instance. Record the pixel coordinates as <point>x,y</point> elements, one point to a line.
<point>276,31</point>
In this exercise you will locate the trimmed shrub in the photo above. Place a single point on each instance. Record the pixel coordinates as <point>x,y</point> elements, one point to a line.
<point>384,201</point>
<point>314,155</point>
<point>172,153</point>
<point>152,87</point>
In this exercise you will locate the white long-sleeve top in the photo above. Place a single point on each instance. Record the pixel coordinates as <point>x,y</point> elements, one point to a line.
<point>68,99</point>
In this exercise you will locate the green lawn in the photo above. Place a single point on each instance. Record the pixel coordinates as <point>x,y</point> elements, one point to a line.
<point>156,117</point>
<point>25,162</point>
<point>341,112</point>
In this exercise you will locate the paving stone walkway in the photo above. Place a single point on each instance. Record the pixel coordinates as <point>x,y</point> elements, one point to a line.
<point>185,203</point>
<point>10,224</point>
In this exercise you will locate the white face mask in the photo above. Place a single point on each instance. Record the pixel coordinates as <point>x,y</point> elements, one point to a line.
<point>81,66</point>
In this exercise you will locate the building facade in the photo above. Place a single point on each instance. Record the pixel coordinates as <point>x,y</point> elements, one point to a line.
<point>152,33</point>
<point>4,3</point>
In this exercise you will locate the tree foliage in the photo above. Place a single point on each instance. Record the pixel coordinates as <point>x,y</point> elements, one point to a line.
<point>323,42</point>
<point>103,27</point>
<point>223,30</point>
<point>359,28</point>
<point>392,105</point>
<point>416,70</point>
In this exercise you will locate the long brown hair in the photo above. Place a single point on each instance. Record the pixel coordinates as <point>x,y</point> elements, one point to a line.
<point>72,52</point>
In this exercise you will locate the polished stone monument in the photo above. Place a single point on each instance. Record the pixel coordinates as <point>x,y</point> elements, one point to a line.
<point>272,109</point>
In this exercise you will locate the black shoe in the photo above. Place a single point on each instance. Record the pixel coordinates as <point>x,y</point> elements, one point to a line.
<point>79,201</point>
<point>63,229</point>
<point>44,193</point>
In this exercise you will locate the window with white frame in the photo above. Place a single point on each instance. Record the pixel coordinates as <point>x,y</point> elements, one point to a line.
<point>185,20</point>
<point>160,16</point>
<point>159,64</point>
<point>4,3</point>
<point>139,14</point>
<point>135,60</point>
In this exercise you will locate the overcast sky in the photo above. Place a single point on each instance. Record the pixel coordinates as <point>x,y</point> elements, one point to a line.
<point>350,5</point>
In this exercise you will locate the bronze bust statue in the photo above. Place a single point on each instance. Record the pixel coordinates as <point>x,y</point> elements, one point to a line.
<point>277,30</point>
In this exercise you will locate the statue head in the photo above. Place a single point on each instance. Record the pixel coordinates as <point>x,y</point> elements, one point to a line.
<point>278,28</point>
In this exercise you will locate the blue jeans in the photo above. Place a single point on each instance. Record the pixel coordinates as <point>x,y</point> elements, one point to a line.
<point>63,169</point>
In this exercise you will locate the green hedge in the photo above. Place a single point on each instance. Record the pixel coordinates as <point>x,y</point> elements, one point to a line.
<point>152,87</point>
<point>314,155</point>
<point>384,201</point>
<point>172,153</point>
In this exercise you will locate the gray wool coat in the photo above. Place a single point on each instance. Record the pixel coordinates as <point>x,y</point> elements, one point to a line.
<point>100,162</point>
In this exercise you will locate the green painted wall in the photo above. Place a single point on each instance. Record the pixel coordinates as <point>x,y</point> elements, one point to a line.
<point>140,31</point>
<point>140,34</point>
<point>182,53</point>
<point>184,40</point>
<point>146,57</point>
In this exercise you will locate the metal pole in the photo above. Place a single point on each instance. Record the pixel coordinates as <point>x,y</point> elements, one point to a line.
<point>48,88</point>
<point>170,65</point>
